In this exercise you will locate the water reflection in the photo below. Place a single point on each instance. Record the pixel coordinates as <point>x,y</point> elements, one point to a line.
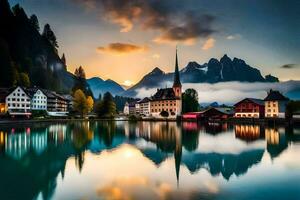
<point>33,158</point>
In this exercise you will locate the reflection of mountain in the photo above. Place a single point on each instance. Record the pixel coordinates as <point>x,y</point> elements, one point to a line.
<point>226,164</point>
<point>32,158</point>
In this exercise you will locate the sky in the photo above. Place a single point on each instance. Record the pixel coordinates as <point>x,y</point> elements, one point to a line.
<point>123,40</point>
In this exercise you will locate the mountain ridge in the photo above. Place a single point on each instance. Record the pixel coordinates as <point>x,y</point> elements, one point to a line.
<point>214,71</point>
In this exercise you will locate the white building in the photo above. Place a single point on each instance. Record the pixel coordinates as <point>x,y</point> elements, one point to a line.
<point>126,109</point>
<point>38,100</point>
<point>275,105</point>
<point>145,107</point>
<point>18,102</point>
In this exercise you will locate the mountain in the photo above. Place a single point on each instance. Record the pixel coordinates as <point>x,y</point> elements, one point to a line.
<point>24,50</point>
<point>223,70</point>
<point>99,86</point>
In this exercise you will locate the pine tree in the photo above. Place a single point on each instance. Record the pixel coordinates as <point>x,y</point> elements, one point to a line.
<point>50,36</point>
<point>34,22</point>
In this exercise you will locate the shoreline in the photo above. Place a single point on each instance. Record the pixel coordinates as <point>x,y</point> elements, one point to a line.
<point>231,121</point>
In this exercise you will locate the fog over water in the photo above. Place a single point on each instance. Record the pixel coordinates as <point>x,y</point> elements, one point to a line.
<point>231,92</point>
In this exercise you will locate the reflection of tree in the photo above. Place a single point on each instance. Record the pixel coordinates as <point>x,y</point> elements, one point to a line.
<point>190,139</point>
<point>82,135</point>
<point>106,132</point>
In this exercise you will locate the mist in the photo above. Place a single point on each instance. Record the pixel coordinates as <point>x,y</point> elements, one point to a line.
<point>230,92</point>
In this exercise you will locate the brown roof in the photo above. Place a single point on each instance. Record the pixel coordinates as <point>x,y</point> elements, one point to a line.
<point>275,95</point>
<point>256,101</point>
<point>164,94</point>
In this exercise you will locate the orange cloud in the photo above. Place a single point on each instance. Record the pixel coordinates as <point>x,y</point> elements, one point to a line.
<point>209,43</point>
<point>121,48</point>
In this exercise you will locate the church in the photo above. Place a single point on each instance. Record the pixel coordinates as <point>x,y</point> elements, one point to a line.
<point>168,99</point>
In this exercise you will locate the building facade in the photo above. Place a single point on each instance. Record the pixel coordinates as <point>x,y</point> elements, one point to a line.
<point>275,105</point>
<point>38,99</point>
<point>18,102</point>
<point>250,108</point>
<point>145,107</point>
<point>168,99</point>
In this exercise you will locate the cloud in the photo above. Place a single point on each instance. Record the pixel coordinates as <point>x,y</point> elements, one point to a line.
<point>171,19</point>
<point>228,92</point>
<point>209,43</point>
<point>289,66</point>
<point>156,56</point>
<point>121,48</point>
<point>233,37</point>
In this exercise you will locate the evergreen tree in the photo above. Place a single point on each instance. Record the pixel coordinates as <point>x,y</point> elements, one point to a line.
<point>106,107</point>
<point>34,22</point>
<point>50,36</point>
<point>80,82</point>
<point>7,75</point>
<point>23,80</point>
<point>190,101</point>
<point>63,59</point>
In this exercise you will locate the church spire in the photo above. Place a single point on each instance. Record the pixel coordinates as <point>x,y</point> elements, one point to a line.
<point>177,82</point>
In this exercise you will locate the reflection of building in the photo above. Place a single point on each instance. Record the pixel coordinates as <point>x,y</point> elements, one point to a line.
<point>275,104</point>
<point>250,108</point>
<point>276,141</point>
<point>248,132</point>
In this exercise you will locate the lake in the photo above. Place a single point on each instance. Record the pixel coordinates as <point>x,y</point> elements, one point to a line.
<point>149,160</point>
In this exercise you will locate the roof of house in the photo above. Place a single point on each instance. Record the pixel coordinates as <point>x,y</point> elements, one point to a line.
<point>164,94</point>
<point>256,101</point>
<point>275,95</point>
<point>145,100</point>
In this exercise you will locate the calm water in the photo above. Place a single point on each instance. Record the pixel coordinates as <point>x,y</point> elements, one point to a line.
<point>157,160</point>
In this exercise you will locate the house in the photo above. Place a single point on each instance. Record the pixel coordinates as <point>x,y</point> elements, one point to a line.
<point>218,113</point>
<point>144,106</point>
<point>38,99</point>
<point>168,99</point>
<point>212,113</point>
<point>18,102</point>
<point>57,105</point>
<point>275,104</point>
<point>3,93</point>
<point>250,108</point>
<point>69,99</point>
<point>132,108</point>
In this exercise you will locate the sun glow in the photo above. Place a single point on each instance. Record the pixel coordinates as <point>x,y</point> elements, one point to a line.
<point>128,83</point>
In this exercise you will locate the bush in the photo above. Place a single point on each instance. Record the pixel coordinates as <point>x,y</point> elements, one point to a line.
<point>164,114</point>
<point>39,113</point>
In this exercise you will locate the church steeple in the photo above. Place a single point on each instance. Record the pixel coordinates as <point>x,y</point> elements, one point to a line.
<point>177,82</point>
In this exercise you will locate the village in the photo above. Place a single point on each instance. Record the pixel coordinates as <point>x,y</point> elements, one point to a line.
<point>165,104</point>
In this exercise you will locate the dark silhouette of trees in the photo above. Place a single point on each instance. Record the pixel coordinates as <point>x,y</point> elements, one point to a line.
<point>34,22</point>
<point>50,36</point>
<point>81,83</point>
<point>190,101</point>
<point>23,49</point>
<point>106,107</point>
